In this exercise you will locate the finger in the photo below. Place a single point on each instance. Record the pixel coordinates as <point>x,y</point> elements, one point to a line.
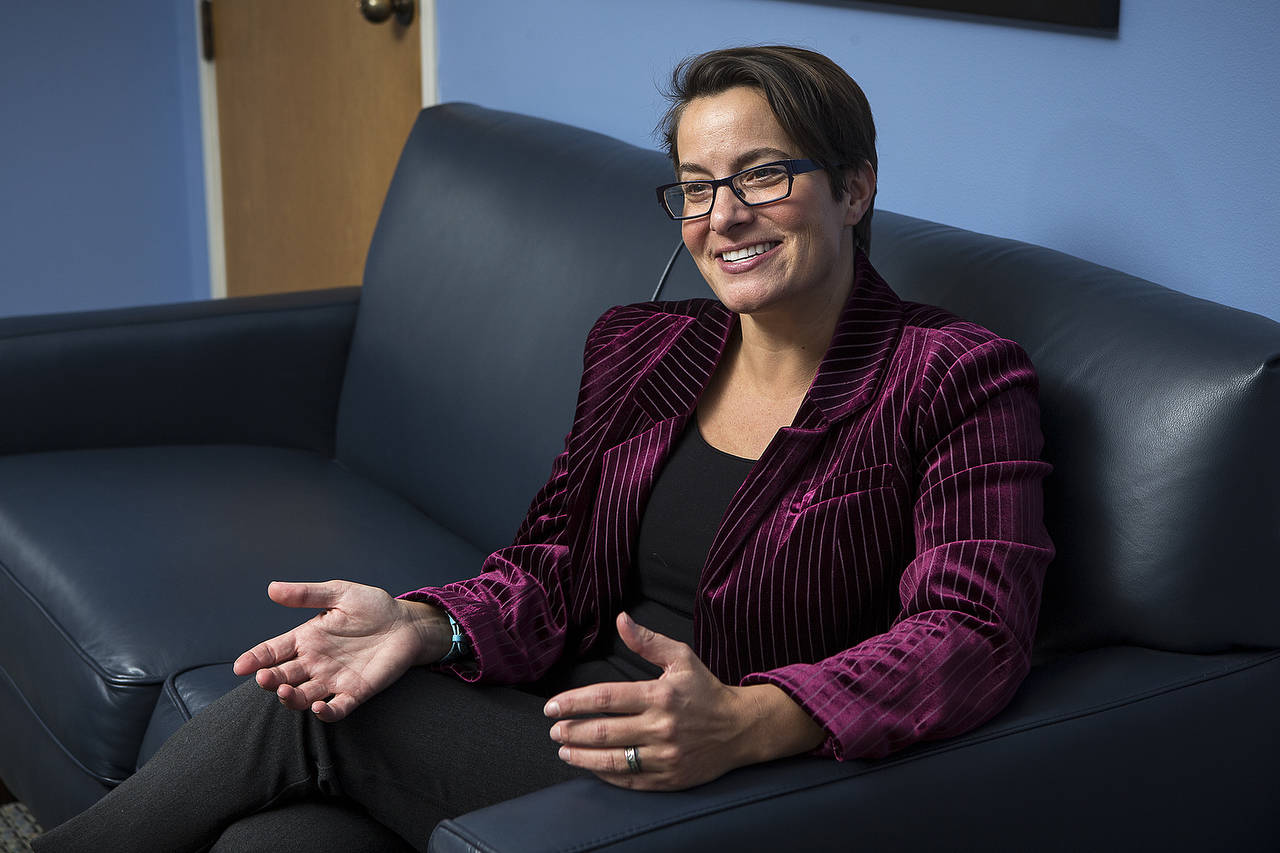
<point>289,697</point>
<point>645,781</point>
<point>336,708</point>
<point>272,652</point>
<point>635,781</point>
<point>319,596</point>
<point>302,697</point>
<point>290,672</point>
<point>654,647</point>
<point>611,766</point>
<point>607,697</point>
<point>603,762</point>
<point>599,732</point>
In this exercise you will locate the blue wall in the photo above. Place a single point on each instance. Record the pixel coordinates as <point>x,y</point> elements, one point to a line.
<point>101,178</point>
<point>1154,152</point>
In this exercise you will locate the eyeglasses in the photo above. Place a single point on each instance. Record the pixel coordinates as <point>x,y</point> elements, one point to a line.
<point>758,185</point>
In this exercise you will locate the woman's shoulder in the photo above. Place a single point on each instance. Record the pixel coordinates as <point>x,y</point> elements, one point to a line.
<point>940,356</point>
<point>931,336</point>
<point>948,337</point>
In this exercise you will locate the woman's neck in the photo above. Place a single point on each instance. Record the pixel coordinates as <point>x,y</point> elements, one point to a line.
<point>778,352</point>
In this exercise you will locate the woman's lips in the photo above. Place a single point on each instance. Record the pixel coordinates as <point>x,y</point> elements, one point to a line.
<point>755,254</point>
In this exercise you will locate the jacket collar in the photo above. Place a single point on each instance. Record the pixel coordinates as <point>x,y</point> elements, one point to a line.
<point>700,331</point>
<point>858,355</point>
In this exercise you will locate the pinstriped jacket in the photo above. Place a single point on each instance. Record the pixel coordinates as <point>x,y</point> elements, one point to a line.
<point>881,563</point>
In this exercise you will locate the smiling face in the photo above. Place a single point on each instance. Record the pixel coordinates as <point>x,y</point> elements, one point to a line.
<point>792,255</point>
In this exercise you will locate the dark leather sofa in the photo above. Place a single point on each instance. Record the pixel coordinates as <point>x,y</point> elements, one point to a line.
<point>158,466</point>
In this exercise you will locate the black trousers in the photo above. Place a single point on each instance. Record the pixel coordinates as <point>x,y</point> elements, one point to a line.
<point>249,774</point>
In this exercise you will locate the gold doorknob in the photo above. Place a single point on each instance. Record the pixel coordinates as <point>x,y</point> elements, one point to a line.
<point>377,11</point>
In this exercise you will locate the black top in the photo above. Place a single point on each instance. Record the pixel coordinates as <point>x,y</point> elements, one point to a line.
<point>689,499</point>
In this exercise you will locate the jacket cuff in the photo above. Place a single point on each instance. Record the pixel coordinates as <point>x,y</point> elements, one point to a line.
<point>465,611</point>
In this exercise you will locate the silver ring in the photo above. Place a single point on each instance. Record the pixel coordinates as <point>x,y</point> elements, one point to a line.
<point>633,758</point>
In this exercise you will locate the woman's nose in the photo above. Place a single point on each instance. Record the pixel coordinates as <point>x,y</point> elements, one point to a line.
<point>727,210</point>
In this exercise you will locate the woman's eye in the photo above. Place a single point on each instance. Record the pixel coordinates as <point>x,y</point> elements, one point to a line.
<point>764,176</point>
<point>697,192</point>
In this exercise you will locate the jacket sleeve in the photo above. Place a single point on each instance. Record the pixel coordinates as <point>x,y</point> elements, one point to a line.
<point>970,597</point>
<point>515,611</point>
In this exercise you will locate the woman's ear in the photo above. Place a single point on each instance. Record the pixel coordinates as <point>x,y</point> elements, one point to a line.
<point>861,187</point>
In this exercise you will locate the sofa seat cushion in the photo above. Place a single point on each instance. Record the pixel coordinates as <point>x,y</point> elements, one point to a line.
<point>120,567</point>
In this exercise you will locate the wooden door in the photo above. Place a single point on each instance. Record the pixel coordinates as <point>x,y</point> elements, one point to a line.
<point>314,105</point>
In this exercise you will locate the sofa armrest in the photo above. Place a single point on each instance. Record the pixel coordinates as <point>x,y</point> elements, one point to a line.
<point>1118,748</point>
<point>259,370</point>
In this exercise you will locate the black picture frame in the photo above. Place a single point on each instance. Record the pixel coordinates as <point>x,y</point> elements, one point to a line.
<point>1101,15</point>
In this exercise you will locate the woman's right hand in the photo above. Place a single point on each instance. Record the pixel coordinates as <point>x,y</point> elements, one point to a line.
<point>362,642</point>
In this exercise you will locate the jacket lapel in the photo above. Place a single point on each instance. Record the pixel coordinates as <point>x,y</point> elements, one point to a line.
<point>643,429</point>
<point>856,360</point>
<point>847,380</point>
<point>671,388</point>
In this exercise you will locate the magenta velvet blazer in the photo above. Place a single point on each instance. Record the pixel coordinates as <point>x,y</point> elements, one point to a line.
<point>881,563</point>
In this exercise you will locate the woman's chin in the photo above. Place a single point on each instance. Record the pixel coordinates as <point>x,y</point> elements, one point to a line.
<point>743,297</point>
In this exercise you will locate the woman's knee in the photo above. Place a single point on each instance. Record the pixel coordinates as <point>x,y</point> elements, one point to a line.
<point>309,827</point>
<point>230,725</point>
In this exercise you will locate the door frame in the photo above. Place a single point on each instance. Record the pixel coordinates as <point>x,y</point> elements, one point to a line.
<point>212,152</point>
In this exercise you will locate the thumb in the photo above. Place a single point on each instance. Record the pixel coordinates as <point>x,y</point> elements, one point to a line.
<point>656,648</point>
<point>317,595</point>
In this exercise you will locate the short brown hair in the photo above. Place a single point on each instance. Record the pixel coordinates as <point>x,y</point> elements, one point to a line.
<point>816,102</point>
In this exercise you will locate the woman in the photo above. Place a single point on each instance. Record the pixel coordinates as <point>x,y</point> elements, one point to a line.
<point>823,505</point>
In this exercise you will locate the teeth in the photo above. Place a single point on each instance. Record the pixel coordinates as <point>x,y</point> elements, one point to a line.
<point>748,252</point>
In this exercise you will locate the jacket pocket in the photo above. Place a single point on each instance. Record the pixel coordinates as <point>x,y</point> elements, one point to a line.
<point>841,485</point>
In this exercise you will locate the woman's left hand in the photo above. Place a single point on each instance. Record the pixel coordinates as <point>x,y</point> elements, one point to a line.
<point>687,727</point>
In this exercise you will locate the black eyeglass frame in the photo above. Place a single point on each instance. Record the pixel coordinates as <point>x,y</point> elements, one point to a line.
<point>793,167</point>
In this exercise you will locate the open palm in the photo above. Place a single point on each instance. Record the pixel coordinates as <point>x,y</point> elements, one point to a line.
<point>361,642</point>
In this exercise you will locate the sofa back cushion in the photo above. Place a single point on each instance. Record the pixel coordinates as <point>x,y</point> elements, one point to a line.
<point>1161,415</point>
<point>503,237</point>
